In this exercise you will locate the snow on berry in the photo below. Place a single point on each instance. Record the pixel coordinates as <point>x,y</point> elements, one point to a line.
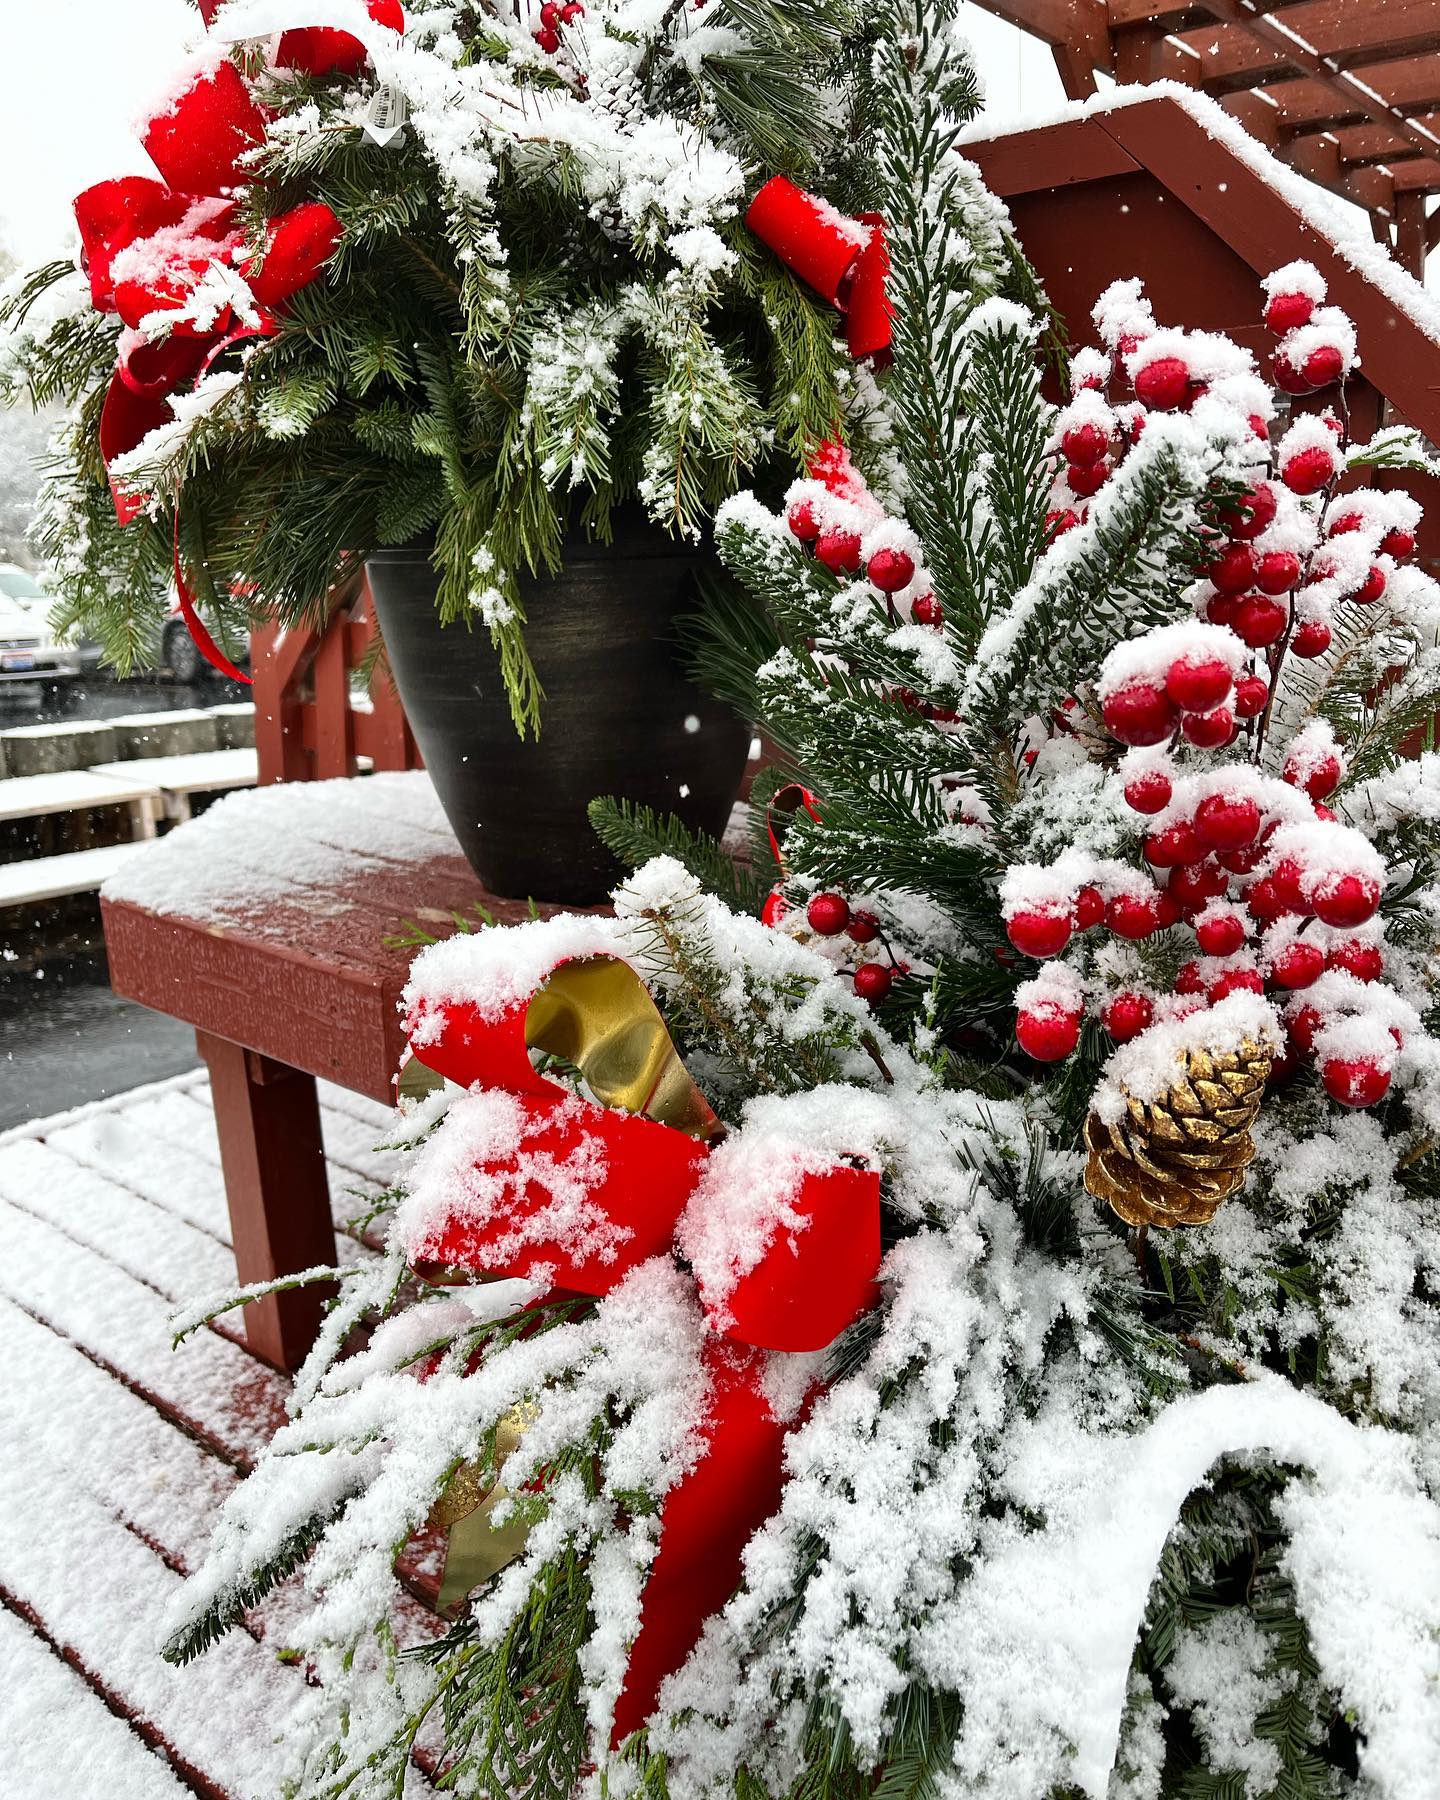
<point>1049,1011</point>
<point>1314,761</point>
<point>1089,370</point>
<point>1123,314</point>
<point>1306,456</point>
<point>1292,294</point>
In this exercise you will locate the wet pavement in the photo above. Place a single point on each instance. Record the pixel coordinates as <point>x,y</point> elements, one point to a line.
<point>65,1038</point>
<point>30,703</point>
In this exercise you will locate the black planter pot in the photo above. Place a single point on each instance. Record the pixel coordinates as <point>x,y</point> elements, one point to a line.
<point>620,716</point>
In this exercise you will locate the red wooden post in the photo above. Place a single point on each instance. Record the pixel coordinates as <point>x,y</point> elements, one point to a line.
<point>268,1118</point>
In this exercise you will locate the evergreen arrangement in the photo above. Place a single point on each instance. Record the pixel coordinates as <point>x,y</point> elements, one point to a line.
<point>1091,910</point>
<point>538,301</point>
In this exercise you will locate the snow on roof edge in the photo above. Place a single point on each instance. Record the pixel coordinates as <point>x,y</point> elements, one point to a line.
<point>1348,240</point>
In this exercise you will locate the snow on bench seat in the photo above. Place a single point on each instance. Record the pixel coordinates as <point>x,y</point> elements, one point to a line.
<point>291,847</point>
<point>55,877</point>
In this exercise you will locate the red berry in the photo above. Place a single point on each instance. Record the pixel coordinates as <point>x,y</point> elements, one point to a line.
<point>1087,478</point>
<point>1251,693</point>
<point>1287,878</point>
<point>1344,523</point>
<point>1309,469</point>
<point>1277,571</point>
<point>1194,884</point>
<point>1256,512</point>
<point>839,551</point>
<point>1208,731</point>
<point>1227,821</point>
<point>571,12</point>
<point>1084,443</point>
<point>550,12</point>
<point>1297,965</point>
<point>1236,981</point>
<point>1163,383</point>
<point>1220,609</point>
<point>1312,638</point>
<point>1139,714</point>
<point>1319,778</point>
<point>1148,791</point>
<point>1039,931</point>
<point>890,570</point>
<point>1398,543</point>
<point>1345,900</point>
<point>927,610</point>
<point>1233,570</point>
<point>1324,365</point>
<point>863,928</point>
<point>1259,620</point>
<point>775,908</point>
<point>1243,862</point>
<point>1366,962</point>
<point>1302,1025</point>
<point>1133,916</point>
<point>1324,812</point>
<point>1355,1080</point>
<point>1174,845</point>
<point>548,38</point>
<point>1287,312</point>
<point>1089,908</point>
<point>1127,1015</point>
<point>828,914</point>
<point>1220,934</point>
<point>873,981</point>
<point>1196,684</point>
<point>1372,587</point>
<point>1047,1031</point>
<point>802,522</point>
<point>1259,428</point>
<point>1190,979</point>
<point>1058,523</point>
<point>1289,378</point>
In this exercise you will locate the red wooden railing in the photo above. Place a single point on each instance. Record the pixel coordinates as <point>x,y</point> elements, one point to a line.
<point>312,721</point>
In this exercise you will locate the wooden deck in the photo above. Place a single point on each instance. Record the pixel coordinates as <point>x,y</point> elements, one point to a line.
<point>115,1452</point>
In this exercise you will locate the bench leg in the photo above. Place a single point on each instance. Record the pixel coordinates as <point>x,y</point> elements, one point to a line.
<point>268,1117</point>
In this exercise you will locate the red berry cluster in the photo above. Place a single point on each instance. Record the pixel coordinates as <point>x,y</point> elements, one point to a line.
<point>828,915</point>
<point>552,16</point>
<point>840,522</point>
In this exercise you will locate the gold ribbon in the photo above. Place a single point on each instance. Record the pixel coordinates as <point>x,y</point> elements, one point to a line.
<point>477,1549</point>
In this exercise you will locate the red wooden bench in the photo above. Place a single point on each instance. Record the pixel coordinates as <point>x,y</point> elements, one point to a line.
<point>267,931</point>
<point>283,968</point>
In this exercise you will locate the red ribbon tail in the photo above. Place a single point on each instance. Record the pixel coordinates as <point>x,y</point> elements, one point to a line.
<point>204,643</point>
<point>707,1520</point>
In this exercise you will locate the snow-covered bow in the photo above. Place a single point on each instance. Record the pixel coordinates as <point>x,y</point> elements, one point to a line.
<point>588,1192</point>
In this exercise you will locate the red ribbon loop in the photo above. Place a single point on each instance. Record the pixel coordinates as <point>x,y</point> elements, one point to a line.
<point>806,1287</point>
<point>845,260</point>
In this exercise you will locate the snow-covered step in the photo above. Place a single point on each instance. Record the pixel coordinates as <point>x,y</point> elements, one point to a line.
<point>55,877</point>
<point>179,777</point>
<point>82,790</point>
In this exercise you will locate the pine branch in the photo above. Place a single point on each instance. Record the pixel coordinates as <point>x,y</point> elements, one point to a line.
<point>634,834</point>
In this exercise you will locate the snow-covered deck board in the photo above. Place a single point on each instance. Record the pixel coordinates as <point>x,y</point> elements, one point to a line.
<point>116,1450</point>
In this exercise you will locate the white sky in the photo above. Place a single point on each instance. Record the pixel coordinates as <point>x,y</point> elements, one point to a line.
<point>76,72</point>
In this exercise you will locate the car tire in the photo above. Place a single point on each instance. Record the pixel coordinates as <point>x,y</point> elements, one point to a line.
<point>182,655</point>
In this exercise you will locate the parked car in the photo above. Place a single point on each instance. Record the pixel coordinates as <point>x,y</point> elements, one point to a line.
<point>29,649</point>
<point>180,654</point>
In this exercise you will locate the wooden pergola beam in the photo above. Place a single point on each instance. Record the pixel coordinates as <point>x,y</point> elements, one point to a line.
<point>1229,54</point>
<point>1379,143</point>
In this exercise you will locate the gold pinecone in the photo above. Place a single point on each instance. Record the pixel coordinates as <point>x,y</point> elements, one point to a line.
<point>1173,1161</point>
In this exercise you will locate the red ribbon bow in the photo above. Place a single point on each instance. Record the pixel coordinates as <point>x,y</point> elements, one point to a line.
<point>168,257</point>
<point>845,260</point>
<point>805,1289</point>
